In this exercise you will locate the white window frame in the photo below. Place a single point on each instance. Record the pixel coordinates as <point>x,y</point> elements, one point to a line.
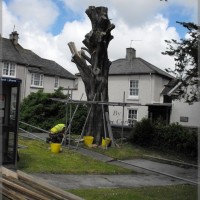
<point>134,88</point>
<point>57,82</point>
<point>37,80</point>
<point>9,69</point>
<point>132,117</point>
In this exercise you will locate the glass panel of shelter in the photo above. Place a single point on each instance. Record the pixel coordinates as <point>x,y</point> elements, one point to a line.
<point>9,123</point>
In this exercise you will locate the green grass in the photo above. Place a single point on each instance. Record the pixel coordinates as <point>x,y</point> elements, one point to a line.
<point>37,158</point>
<point>124,152</point>
<point>176,192</point>
<point>130,151</point>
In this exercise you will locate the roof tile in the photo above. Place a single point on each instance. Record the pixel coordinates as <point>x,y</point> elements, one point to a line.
<point>17,54</point>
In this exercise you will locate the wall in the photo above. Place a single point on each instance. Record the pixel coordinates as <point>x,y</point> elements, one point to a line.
<point>158,83</point>
<point>120,84</point>
<point>190,112</point>
<point>80,90</point>
<point>117,85</point>
<point>150,87</point>
<point>48,84</point>
<point>20,73</point>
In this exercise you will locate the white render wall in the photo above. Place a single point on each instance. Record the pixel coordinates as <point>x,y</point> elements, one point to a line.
<point>48,84</point>
<point>23,74</point>
<point>117,85</point>
<point>20,73</point>
<point>150,87</point>
<point>181,109</point>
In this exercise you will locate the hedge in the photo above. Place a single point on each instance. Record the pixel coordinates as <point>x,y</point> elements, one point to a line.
<point>38,109</point>
<point>165,137</point>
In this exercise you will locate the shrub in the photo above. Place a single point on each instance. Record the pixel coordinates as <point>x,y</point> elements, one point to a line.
<point>165,137</point>
<point>39,110</point>
<point>143,132</point>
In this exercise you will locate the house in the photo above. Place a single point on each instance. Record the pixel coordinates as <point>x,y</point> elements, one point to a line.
<point>35,72</point>
<point>142,83</point>
<point>184,113</point>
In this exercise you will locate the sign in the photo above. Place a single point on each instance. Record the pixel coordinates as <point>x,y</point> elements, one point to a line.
<point>184,119</point>
<point>10,80</point>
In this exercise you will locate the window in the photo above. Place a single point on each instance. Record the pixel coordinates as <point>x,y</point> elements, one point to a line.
<point>56,84</point>
<point>132,116</point>
<point>9,69</point>
<point>37,80</point>
<point>134,91</point>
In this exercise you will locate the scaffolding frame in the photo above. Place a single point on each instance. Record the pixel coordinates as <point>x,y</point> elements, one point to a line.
<point>78,102</point>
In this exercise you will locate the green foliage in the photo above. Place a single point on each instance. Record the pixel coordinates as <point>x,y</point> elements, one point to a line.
<point>38,109</point>
<point>143,132</point>
<point>165,137</point>
<point>185,53</point>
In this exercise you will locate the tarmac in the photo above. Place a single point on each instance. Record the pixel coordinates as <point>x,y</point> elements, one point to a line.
<point>158,174</point>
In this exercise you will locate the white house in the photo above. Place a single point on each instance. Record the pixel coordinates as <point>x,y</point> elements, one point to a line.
<point>35,72</point>
<point>184,113</point>
<point>142,83</point>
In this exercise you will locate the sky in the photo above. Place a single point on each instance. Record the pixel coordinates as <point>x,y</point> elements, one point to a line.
<point>47,26</point>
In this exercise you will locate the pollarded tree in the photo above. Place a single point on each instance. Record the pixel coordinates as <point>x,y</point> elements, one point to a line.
<point>185,53</point>
<point>93,64</point>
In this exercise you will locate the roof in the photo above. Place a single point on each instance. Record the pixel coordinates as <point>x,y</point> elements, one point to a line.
<point>169,86</point>
<point>160,104</point>
<point>135,66</point>
<point>16,53</point>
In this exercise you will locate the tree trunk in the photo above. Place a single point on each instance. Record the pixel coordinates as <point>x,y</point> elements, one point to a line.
<point>94,67</point>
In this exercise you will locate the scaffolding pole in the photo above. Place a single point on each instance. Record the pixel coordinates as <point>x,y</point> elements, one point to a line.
<point>85,123</point>
<point>71,119</point>
<point>122,134</point>
<point>98,102</point>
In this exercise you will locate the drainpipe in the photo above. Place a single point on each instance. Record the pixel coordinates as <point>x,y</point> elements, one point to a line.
<point>25,79</point>
<point>151,87</point>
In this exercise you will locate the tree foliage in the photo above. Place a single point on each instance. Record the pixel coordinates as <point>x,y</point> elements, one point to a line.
<point>185,53</point>
<point>38,109</point>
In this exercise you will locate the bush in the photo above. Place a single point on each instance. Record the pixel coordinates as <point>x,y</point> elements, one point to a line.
<point>39,110</point>
<point>143,132</point>
<point>165,137</point>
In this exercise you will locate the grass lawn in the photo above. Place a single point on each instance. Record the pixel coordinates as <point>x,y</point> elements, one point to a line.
<point>37,158</point>
<point>177,192</point>
<point>130,151</point>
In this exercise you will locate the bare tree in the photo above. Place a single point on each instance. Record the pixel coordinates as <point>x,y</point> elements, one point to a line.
<point>93,64</point>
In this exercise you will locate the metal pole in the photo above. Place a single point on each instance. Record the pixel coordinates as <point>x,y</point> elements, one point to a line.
<point>66,118</point>
<point>122,135</point>
<point>70,114</point>
<point>35,127</point>
<point>71,121</point>
<point>85,123</point>
<point>104,125</point>
<point>32,134</point>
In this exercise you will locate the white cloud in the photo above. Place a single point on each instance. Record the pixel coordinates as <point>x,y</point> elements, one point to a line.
<point>35,13</point>
<point>8,20</point>
<point>153,31</point>
<point>134,12</point>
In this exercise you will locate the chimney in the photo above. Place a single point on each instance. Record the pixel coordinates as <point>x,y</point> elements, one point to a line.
<point>130,53</point>
<point>14,36</point>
